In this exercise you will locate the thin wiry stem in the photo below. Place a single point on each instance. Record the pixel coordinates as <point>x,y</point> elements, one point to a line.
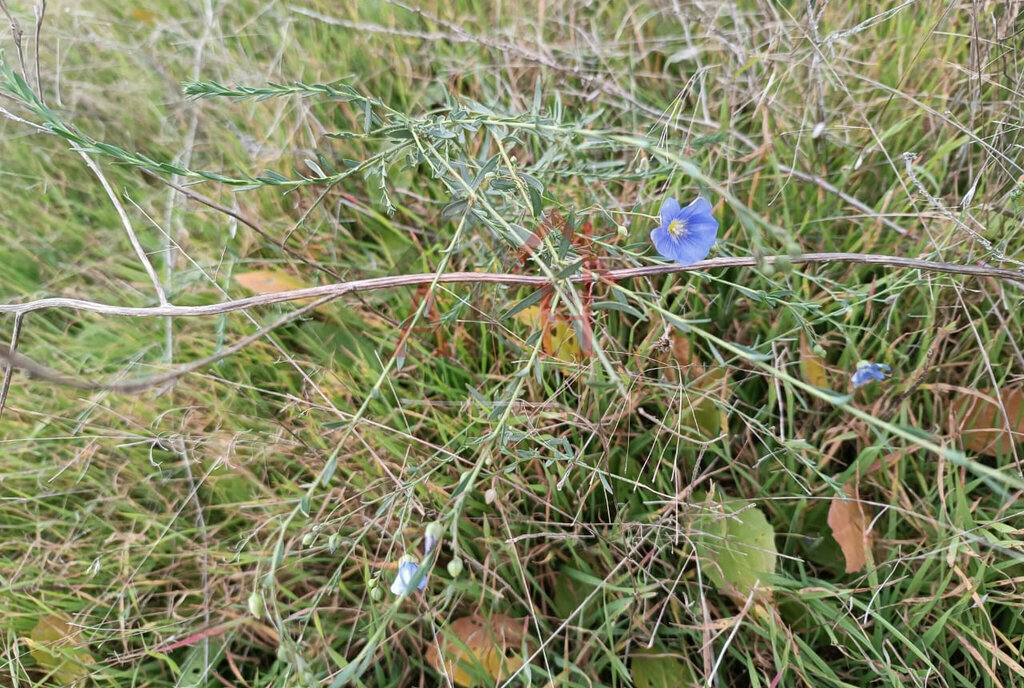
<point>127,223</point>
<point>40,12</point>
<point>9,362</point>
<point>17,34</point>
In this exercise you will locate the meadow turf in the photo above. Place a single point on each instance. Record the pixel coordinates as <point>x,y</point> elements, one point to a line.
<point>242,524</point>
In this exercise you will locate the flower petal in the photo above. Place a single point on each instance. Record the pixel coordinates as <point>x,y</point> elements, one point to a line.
<point>669,211</point>
<point>664,242</point>
<point>404,578</point>
<point>866,372</point>
<point>699,206</point>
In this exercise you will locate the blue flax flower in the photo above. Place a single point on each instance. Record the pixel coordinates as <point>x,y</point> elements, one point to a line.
<point>866,372</point>
<point>407,573</point>
<point>685,235</point>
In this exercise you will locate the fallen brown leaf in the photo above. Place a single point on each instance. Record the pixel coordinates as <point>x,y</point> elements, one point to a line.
<point>850,522</point>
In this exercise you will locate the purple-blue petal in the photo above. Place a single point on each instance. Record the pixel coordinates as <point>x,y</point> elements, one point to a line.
<point>867,373</point>
<point>669,211</point>
<point>701,230</point>
<point>700,206</point>
<point>404,578</point>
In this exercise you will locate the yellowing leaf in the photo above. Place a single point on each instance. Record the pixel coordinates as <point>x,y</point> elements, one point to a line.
<point>53,644</point>
<point>812,366</point>
<point>144,16</point>
<point>736,546</point>
<point>659,669</point>
<point>270,282</point>
<point>982,425</point>
<point>564,345</point>
<point>474,651</point>
<point>702,387</point>
<point>850,522</point>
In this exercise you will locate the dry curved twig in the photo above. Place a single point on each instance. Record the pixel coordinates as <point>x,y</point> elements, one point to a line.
<point>329,292</point>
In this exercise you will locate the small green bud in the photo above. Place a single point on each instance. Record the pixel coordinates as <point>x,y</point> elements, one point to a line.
<point>768,271</point>
<point>255,604</point>
<point>307,539</point>
<point>431,536</point>
<point>819,351</point>
<point>783,264</point>
<point>793,250</point>
<point>434,530</point>
<point>332,543</point>
<point>622,231</point>
<point>455,567</point>
<point>376,594</point>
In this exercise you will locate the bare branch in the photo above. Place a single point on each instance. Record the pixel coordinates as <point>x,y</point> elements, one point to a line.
<point>339,289</point>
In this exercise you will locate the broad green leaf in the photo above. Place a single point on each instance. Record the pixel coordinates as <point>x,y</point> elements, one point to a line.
<point>55,646</point>
<point>569,594</point>
<point>659,669</point>
<point>736,545</point>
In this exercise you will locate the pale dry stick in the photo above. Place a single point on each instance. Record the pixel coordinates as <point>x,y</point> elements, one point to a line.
<point>329,292</point>
<point>185,160</point>
<point>14,118</point>
<point>17,34</point>
<point>40,11</point>
<point>393,281</point>
<point>127,224</point>
<point>8,364</point>
<point>16,360</point>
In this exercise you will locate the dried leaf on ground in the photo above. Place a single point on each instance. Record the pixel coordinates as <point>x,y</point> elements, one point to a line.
<point>475,651</point>
<point>270,282</point>
<point>981,424</point>
<point>850,521</point>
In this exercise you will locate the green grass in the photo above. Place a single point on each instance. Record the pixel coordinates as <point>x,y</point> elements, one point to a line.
<point>243,526</point>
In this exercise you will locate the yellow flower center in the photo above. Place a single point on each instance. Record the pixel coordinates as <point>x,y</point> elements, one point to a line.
<point>677,228</point>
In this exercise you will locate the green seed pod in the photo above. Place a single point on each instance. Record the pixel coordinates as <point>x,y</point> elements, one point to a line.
<point>819,351</point>
<point>455,567</point>
<point>255,604</point>
<point>376,594</point>
<point>783,264</point>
